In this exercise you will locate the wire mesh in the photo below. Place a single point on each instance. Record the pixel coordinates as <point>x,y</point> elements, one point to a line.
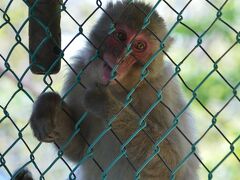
<point>216,69</point>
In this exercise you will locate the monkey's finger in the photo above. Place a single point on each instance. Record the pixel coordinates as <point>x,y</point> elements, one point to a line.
<point>23,175</point>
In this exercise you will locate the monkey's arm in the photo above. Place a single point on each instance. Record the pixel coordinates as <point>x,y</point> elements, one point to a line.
<point>51,122</point>
<point>112,112</point>
<point>104,105</point>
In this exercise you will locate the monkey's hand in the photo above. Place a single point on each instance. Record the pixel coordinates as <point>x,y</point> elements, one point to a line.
<point>52,121</point>
<point>101,102</point>
<point>44,116</point>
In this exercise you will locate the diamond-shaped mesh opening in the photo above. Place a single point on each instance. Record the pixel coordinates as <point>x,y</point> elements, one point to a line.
<point>227,123</point>
<point>230,73</point>
<point>210,153</point>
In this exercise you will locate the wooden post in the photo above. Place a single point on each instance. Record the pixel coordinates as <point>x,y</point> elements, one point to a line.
<point>45,36</point>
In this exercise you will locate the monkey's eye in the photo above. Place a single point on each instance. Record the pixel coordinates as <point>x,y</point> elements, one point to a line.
<point>139,46</point>
<point>120,36</point>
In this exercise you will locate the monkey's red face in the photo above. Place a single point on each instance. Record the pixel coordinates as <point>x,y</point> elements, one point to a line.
<point>116,55</point>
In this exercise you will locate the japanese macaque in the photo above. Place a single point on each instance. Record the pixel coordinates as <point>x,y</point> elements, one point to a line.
<point>135,109</point>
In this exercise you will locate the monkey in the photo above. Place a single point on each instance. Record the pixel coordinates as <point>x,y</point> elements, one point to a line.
<point>118,116</point>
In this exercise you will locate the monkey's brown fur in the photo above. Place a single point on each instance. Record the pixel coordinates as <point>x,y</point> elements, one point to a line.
<point>54,121</point>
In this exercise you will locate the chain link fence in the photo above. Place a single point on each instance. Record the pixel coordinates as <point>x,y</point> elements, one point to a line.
<point>207,63</point>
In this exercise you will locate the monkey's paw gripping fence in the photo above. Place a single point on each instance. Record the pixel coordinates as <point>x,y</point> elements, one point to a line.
<point>207,64</point>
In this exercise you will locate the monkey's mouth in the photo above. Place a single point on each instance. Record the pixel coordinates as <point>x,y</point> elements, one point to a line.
<point>106,73</point>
